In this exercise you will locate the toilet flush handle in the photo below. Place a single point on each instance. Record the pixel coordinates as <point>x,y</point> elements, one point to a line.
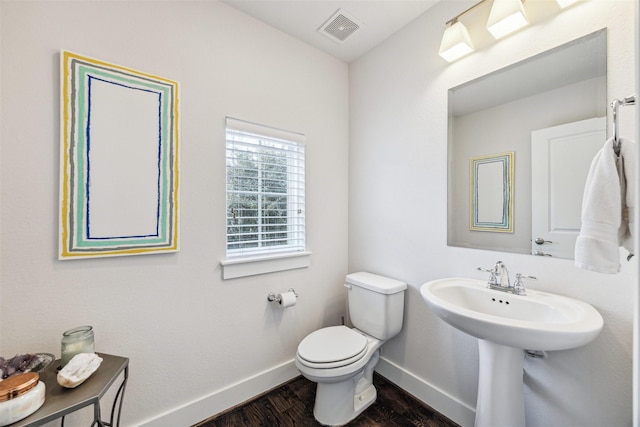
<point>348,286</point>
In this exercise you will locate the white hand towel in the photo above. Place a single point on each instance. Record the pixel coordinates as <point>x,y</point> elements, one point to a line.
<point>626,232</point>
<point>597,245</point>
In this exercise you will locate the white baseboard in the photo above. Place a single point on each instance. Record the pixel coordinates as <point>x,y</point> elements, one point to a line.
<point>226,398</point>
<point>439,400</point>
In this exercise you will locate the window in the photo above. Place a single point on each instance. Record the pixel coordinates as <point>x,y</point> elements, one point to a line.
<point>265,190</point>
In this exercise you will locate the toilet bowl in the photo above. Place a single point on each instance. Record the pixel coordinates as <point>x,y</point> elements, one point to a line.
<point>341,359</point>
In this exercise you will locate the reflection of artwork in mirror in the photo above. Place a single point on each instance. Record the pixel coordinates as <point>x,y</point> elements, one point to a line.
<point>119,160</point>
<point>491,194</point>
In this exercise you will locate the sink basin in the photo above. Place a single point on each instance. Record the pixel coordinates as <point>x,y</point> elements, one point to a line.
<point>537,321</point>
<point>505,325</point>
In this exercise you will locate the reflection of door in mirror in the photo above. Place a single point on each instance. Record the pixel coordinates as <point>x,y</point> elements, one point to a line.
<point>560,159</point>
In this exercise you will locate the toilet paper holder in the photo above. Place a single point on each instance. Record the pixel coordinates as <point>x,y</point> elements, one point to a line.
<point>273,297</point>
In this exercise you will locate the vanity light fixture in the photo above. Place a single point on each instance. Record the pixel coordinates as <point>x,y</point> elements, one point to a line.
<point>456,42</point>
<point>506,16</point>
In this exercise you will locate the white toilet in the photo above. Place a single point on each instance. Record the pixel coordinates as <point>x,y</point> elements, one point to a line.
<point>341,360</point>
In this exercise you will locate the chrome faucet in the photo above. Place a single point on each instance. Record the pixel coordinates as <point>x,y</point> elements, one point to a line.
<point>502,275</point>
<point>499,276</point>
<point>499,279</point>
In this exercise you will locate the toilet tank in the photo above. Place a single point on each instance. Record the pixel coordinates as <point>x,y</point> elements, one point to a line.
<point>376,304</point>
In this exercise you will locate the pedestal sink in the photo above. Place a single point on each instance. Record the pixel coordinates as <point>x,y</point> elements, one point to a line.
<point>505,325</point>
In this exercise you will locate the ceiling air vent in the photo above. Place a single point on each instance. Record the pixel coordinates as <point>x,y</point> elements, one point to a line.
<point>340,26</point>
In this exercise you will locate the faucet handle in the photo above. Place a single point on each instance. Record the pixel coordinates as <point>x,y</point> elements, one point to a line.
<point>519,285</point>
<point>493,280</point>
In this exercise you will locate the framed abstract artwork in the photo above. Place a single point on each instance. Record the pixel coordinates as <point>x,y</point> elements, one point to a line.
<point>491,193</point>
<point>119,170</point>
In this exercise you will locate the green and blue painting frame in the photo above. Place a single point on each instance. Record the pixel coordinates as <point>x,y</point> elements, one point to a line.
<point>491,193</point>
<point>119,169</point>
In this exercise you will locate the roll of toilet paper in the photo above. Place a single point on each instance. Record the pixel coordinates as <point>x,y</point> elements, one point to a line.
<point>287,299</point>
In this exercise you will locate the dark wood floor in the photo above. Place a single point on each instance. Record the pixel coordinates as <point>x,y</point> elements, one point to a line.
<point>291,405</point>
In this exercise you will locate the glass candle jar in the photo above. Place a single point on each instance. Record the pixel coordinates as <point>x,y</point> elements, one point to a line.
<point>75,341</point>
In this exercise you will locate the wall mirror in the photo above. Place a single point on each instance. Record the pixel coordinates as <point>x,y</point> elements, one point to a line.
<point>549,112</point>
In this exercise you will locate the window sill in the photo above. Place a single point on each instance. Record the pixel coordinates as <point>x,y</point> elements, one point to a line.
<point>233,268</point>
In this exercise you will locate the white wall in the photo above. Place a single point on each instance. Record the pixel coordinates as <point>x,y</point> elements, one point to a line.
<point>398,217</point>
<point>188,334</point>
<point>636,297</point>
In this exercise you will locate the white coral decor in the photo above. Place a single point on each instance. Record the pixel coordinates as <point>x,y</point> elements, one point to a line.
<point>78,369</point>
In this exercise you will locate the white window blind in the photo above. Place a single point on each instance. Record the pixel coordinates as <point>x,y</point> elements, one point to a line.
<point>265,189</point>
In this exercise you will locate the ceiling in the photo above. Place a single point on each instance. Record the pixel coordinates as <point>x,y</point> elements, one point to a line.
<point>302,19</point>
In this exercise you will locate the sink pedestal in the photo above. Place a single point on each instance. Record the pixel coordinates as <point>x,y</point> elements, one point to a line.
<point>537,321</point>
<point>500,388</point>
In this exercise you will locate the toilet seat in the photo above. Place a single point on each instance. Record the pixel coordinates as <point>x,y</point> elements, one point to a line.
<point>332,347</point>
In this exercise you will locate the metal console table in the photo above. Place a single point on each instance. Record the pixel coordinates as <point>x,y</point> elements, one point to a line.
<point>60,401</point>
